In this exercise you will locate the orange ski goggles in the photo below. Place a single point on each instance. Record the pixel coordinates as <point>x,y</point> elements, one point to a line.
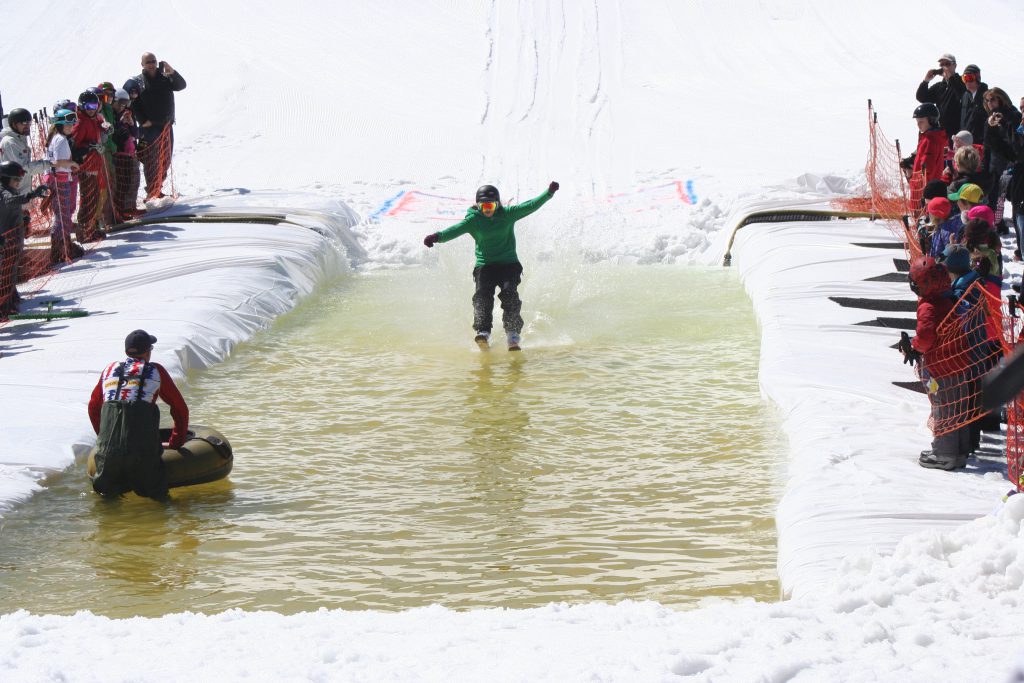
<point>488,207</point>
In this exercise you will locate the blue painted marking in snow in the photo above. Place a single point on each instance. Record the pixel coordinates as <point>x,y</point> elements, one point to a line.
<point>386,206</point>
<point>690,193</point>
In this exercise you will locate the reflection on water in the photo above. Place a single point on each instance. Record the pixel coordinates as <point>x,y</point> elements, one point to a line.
<point>383,462</point>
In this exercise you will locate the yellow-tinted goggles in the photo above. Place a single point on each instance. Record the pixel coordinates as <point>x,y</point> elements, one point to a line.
<point>488,207</point>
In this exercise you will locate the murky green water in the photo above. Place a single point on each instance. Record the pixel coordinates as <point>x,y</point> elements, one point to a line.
<point>383,462</point>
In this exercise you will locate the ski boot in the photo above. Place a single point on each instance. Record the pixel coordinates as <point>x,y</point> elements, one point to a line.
<point>483,340</point>
<point>513,341</point>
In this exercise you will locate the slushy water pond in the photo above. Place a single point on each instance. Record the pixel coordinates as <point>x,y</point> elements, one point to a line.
<point>383,462</point>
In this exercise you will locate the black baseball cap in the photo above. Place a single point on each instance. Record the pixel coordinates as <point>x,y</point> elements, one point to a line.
<point>138,342</point>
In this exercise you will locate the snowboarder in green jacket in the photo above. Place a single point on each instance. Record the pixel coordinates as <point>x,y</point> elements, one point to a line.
<point>497,264</point>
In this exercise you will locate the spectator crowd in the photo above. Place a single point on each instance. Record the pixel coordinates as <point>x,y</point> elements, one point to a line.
<point>970,138</point>
<point>99,148</point>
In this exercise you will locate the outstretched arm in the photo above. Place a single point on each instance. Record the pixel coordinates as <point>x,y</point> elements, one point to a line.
<point>526,208</point>
<point>448,234</point>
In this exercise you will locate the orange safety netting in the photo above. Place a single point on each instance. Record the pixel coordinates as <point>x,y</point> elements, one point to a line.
<point>111,186</point>
<point>1015,409</point>
<point>970,343</point>
<point>892,195</point>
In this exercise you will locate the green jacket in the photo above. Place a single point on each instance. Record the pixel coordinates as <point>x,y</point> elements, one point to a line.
<point>495,236</point>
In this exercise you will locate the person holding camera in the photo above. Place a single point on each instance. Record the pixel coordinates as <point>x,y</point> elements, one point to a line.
<point>1006,142</point>
<point>154,112</point>
<point>947,94</point>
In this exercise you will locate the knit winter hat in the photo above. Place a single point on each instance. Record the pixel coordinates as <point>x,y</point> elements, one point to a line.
<point>964,137</point>
<point>972,69</point>
<point>982,212</point>
<point>935,188</point>
<point>957,259</point>
<point>939,207</point>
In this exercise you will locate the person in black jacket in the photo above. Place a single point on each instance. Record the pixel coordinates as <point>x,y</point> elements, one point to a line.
<point>1009,144</point>
<point>972,103</point>
<point>12,219</point>
<point>154,112</point>
<point>946,94</point>
<point>1003,118</point>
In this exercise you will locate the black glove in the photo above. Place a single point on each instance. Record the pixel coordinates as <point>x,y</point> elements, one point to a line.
<point>431,239</point>
<point>41,191</point>
<point>910,354</point>
<point>553,187</point>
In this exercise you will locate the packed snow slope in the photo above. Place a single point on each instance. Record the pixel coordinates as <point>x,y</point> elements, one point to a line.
<point>736,102</point>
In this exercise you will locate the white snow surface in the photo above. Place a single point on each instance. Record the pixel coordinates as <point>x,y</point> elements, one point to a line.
<point>330,115</point>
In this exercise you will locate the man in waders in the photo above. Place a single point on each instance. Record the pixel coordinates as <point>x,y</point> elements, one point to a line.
<point>492,226</point>
<point>124,415</point>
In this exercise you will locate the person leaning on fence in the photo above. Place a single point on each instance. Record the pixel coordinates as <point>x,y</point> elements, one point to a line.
<point>945,94</point>
<point>154,112</point>
<point>939,365</point>
<point>63,185</point>
<point>125,417</point>
<point>126,165</point>
<point>980,325</point>
<point>88,149</point>
<point>12,225</point>
<point>15,146</point>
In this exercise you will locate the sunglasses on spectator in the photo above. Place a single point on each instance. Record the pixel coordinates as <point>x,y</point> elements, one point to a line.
<point>969,78</point>
<point>945,64</point>
<point>91,106</point>
<point>150,61</point>
<point>488,206</point>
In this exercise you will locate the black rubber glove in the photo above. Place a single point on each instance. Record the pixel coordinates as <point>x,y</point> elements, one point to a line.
<point>431,239</point>
<point>910,354</point>
<point>553,187</point>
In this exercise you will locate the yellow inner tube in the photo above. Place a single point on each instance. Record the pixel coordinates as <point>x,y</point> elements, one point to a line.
<point>204,457</point>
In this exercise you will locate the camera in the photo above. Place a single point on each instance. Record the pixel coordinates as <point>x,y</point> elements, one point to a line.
<point>162,65</point>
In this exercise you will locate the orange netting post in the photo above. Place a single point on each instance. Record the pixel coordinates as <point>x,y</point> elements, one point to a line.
<point>890,195</point>
<point>970,344</point>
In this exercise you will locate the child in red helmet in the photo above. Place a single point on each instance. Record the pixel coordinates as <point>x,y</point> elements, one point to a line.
<point>941,367</point>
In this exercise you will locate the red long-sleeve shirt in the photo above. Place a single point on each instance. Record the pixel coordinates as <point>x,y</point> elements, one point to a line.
<point>167,392</point>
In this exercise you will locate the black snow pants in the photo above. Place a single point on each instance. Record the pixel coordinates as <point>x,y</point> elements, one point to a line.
<point>506,277</point>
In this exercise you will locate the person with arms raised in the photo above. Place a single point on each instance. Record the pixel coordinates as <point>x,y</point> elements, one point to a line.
<point>492,227</point>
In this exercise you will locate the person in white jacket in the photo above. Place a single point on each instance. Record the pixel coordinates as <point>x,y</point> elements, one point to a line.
<point>15,146</point>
